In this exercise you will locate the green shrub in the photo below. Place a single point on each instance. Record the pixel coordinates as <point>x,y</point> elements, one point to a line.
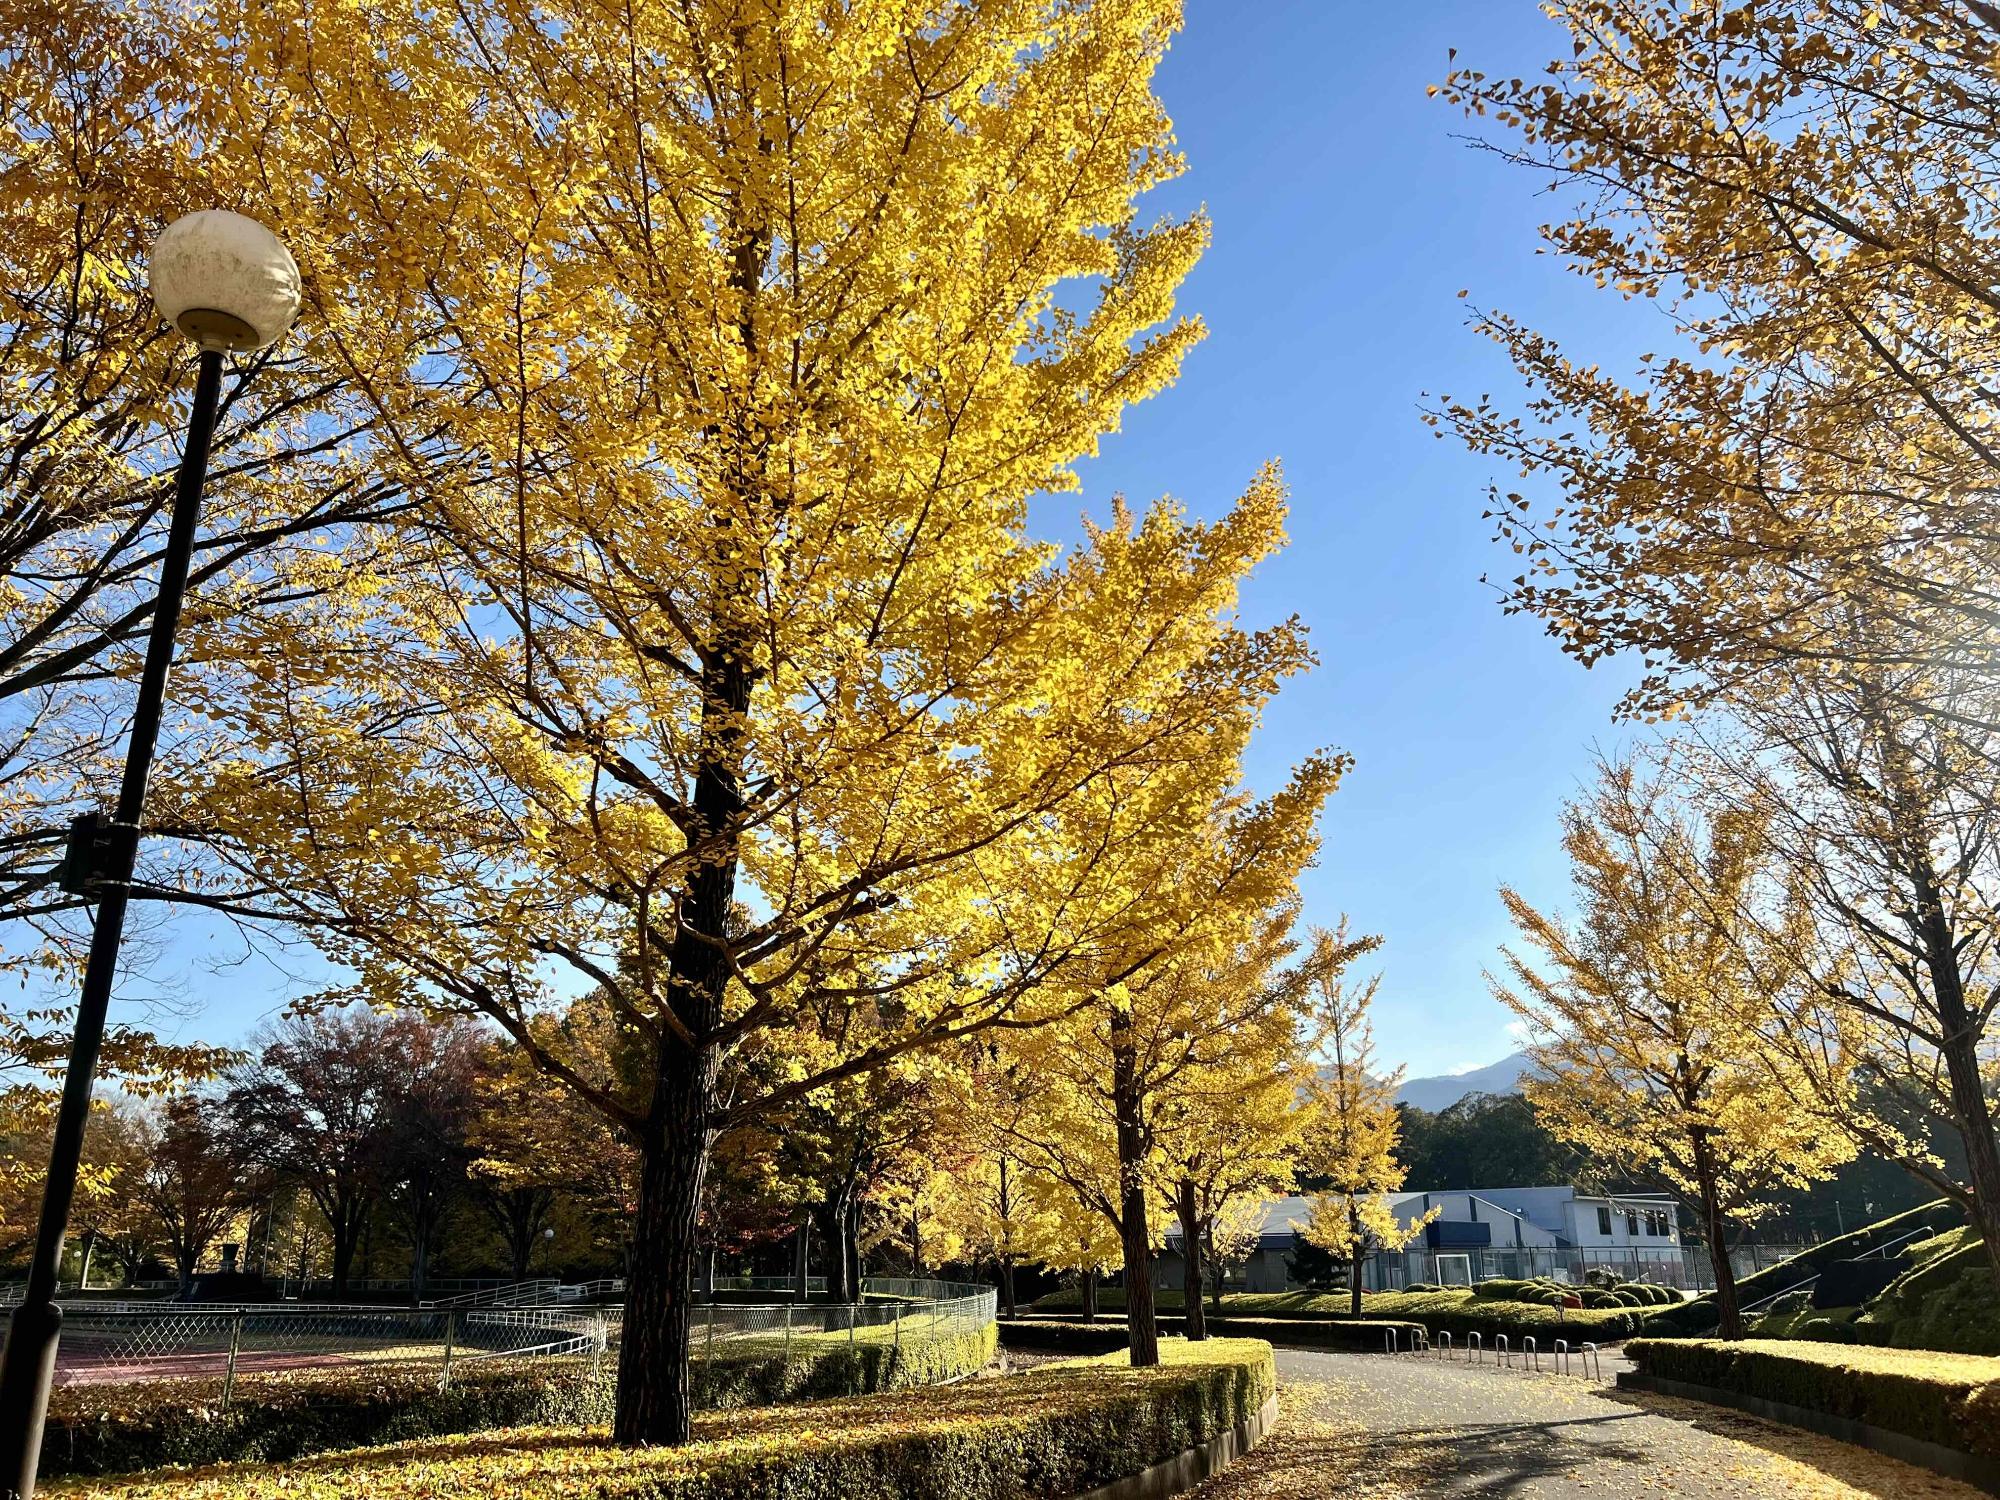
<point>1935,1265</point>
<point>1645,1294</point>
<point>1366,1334</point>
<point>1056,1431</point>
<point>1962,1316</point>
<point>1502,1288</point>
<point>1949,1399</point>
<point>1453,1309</point>
<point>1049,1337</point>
<point>114,1429</point>
<point>1699,1315</point>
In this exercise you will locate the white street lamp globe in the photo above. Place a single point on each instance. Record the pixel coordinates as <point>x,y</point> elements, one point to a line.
<point>225,281</point>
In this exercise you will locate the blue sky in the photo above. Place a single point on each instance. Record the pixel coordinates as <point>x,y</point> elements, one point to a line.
<point>1349,213</point>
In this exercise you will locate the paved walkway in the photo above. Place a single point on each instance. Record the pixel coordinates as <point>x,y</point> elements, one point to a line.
<point>1368,1427</point>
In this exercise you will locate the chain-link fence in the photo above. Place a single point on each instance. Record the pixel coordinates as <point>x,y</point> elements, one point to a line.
<point>895,1310</point>
<point>110,1342</point>
<point>106,1343</point>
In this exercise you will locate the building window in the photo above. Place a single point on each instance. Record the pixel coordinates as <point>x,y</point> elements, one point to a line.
<point>1631,1225</point>
<point>1603,1219</point>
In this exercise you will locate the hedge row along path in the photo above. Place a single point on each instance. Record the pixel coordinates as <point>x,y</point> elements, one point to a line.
<point>1374,1428</point>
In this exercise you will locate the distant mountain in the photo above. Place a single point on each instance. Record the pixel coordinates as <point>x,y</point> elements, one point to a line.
<point>1503,1077</point>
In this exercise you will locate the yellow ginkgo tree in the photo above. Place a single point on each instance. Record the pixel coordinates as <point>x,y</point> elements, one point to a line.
<point>1352,1126</point>
<point>724,347</point>
<point>1650,1011</point>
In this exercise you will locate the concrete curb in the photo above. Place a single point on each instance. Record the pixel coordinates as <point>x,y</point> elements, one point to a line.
<point>1968,1468</point>
<point>1191,1466</point>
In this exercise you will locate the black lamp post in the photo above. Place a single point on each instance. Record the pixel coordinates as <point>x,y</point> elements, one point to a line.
<point>228,284</point>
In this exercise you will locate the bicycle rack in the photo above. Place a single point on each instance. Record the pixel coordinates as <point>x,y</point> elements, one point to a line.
<point>1502,1355</point>
<point>1531,1357</point>
<point>1475,1350</point>
<point>1420,1340</point>
<point>1444,1348</point>
<point>1588,1354</point>
<point>1388,1341</point>
<point>1562,1356</point>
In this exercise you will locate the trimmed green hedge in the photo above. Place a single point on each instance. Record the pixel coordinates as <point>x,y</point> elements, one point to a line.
<point>1455,1310</point>
<point>1949,1399</point>
<point>1699,1316</point>
<point>1056,1431</point>
<point>1046,1336</point>
<point>115,1429</point>
<point>760,1372</point>
<point>1365,1335</point>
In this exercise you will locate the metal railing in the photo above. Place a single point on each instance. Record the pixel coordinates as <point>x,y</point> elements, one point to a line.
<point>111,1344</point>
<point>213,1345</point>
<point>537,1293</point>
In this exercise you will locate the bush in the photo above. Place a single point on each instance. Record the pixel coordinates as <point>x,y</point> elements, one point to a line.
<point>1948,1399</point>
<point>115,1429</point>
<point>1453,1309</point>
<point>1645,1294</point>
<point>1057,1431</point>
<point>1962,1316</point>
<point>1699,1315</point>
<point>1365,1334</point>
<point>1046,1336</point>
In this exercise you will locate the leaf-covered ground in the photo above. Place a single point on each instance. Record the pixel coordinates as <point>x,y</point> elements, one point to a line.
<point>1361,1427</point>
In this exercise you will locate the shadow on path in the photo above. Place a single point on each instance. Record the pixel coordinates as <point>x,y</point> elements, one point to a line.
<point>1867,1472</point>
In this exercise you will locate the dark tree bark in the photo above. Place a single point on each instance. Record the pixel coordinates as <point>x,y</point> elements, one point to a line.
<point>801,1260</point>
<point>1961,1037</point>
<point>653,1394</point>
<point>1359,1254</point>
<point>1191,1274</point>
<point>833,1233</point>
<point>1142,1331</point>
<point>518,1213</point>
<point>850,1245</point>
<point>1006,1256</point>
<point>347,1232</point>
<point>1729,1318</point>
<point>1088,1293</point>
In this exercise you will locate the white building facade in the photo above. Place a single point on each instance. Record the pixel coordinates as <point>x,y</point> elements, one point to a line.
<point>1556,1232</point>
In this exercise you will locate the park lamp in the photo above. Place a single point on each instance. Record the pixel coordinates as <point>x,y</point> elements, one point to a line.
<point>230,286</point>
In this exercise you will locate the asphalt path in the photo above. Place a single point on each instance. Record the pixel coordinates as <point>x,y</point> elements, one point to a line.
<point>1375,1427</point>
